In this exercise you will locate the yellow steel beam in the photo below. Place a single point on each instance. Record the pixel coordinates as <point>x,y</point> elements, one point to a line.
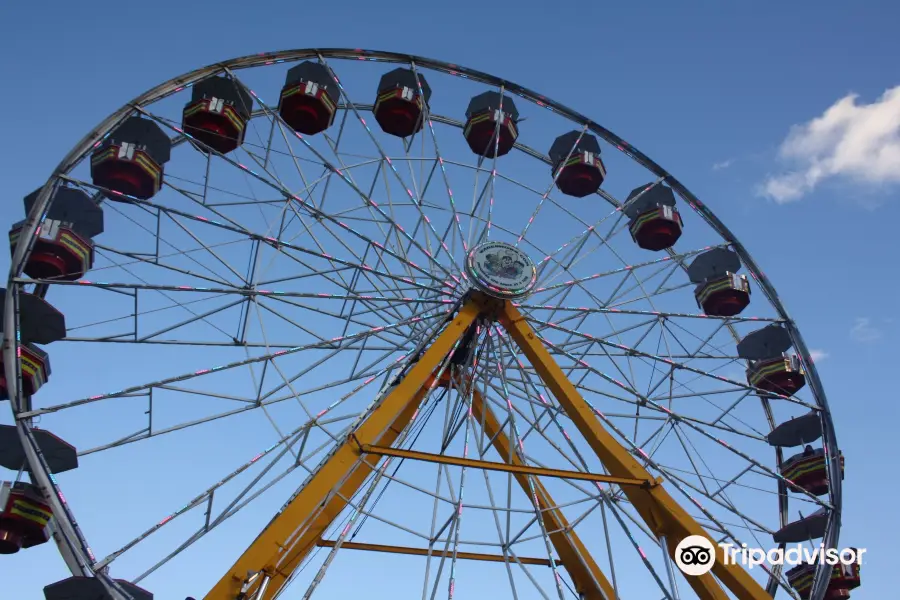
<point>504,467</point>
<point>589,580</point>
<point>294,531</point>
<point>525,560</point>
<point>656,507</point>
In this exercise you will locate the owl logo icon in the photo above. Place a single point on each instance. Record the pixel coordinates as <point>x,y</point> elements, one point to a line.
<point>695,555</point>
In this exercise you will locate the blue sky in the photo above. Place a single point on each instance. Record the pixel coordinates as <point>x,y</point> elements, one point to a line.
<point>721,96</point>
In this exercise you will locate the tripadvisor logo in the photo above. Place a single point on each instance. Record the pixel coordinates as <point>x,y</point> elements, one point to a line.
<point>695,555</point>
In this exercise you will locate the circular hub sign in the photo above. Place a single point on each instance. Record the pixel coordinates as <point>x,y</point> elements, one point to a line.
<point>501,270</point>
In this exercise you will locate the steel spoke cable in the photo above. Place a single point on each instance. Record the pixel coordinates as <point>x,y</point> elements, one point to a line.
<point>336,342</point>
<point>386,159</point>
<point>343,176</point>
<point>673,364</point>
<point>426,117</point>
<point>519,446</point>
<point>278,245</point>
<point>291,196</point>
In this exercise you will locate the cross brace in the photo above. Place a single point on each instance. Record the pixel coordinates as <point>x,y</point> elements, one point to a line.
<point>498,466</point>
<point>525,560</point>
<point>299,527</point>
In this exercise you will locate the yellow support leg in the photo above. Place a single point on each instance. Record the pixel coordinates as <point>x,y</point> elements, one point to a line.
<point>280,548</point>
<point>656,507</point>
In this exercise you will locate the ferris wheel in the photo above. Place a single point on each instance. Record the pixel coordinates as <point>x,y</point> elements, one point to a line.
<point>331,321</point>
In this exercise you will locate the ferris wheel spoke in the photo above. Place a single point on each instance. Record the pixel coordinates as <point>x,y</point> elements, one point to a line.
<point>276,185</point>
<point>667,336</point>
<point>664,268</point>
<point>629,378</point>
<point>552,267</point>
<point>532,489</point>
<point>207,207</point>
<point>623,386</point>
<point>405,354</point>
<point>155,256</point>
<point>359,263</point>
<point>645,296</point>
<point>378,306</point>
<point>578,239</point>
<point>346,178</point>
<point>478,207</point>
<point>681,366</point>
<point>194,318</point>
<point>203,199</point>
<point>355,514</point>
<point>620,270</point>
<point>380,250</point>
<point>356,317</point>
<point>530,388</point>
<point>759,466</point>
<point>334,145</point>
<point>283,246</point>
<point>155,262</point>
<point>241,199</point>
<point>375,304</point>
<point>521,385</point>
<point>309,186</point>
<point>134,319</point>
<point>408,188</point>
<point>629,271</point>
<point>570,260</point>
<point>508,557</point>
<point>356,272</point>
<point>394,283</point>
<point>206,497</point>
<point>369,373</point>
<point>682,486</point>
<point>479,440</point>
<point>703,342</point>
<point>752,527</point>
<point>261,402</point>
<point>615,510</point>
<point>663,314</point>
<point>233,510</point>
<point>427,118</point>
<point>335,343</point>
<point>549,189</point>
<point>581,463</point>
<point>749,431</point>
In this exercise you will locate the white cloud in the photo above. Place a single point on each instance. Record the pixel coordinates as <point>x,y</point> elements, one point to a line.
<point>860,142</point>
<point>864,331</point>
<point>818,356</point>
<point>723,165</point>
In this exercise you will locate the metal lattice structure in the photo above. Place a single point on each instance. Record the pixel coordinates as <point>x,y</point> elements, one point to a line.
<point>298,274</point>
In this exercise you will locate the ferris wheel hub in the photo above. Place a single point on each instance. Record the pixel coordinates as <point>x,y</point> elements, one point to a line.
<point>501,270</point>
